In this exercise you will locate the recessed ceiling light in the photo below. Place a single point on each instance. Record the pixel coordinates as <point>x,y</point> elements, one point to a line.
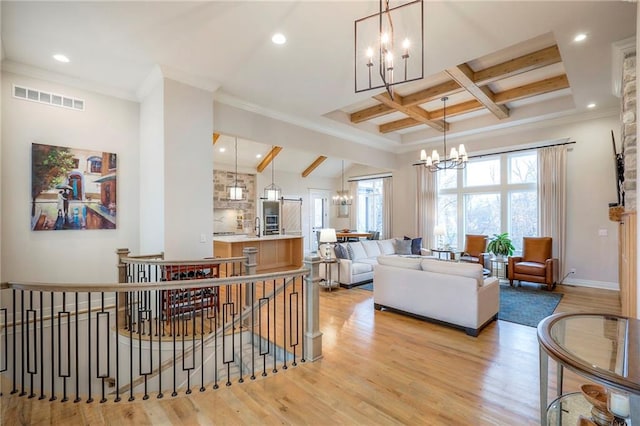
<point>258,155</point>
<point>591,105</point>
<point>222,149</point>
<point>279,38</point>
<point>580,37</point>
<point>60,58</point>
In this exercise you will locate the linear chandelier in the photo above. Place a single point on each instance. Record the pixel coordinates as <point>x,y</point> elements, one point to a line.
<point>342,197</point>
<point>457,159</point>
<point>394,36</point>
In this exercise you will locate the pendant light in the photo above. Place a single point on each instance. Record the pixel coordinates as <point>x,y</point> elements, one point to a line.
<point>272,192</point>
<point>236,192</point>
<point>457,159</point>
<point>343,197</point>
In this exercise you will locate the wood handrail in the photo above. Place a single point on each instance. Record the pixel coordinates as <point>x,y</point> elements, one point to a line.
<point>164,285</point>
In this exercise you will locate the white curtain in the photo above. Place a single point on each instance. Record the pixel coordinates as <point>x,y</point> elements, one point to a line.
<point>387,207</point>
<point>552,199</point>
<point>353,209</point>
<point>426,206</point>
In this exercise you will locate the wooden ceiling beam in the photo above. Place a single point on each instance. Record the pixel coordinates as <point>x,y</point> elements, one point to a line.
<point>533,89</point>
<point>313,166</point>
<point>268,158</point>
<point>371,112</point>
<point>538,88</point>
<point>431,93</point>
<point>216,136</point>
<point>464,75</point>
<point>532,61</point>
<point>414,112</point>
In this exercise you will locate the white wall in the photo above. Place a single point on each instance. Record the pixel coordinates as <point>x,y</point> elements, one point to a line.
<point>590,189</point>
<point>188,175</point>
<point>151,171</point>
<point>107,124</point>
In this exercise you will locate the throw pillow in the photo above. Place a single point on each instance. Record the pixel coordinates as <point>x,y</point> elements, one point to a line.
<point>341,251</point>
<point>403,246</point>
<point>416,244</point>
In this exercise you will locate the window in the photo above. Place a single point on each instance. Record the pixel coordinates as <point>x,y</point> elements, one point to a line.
<point>370,208</point>
<point>491,195</point>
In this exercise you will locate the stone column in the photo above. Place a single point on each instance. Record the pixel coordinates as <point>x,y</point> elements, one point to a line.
<point>312,334</point>
<point>629,130</point>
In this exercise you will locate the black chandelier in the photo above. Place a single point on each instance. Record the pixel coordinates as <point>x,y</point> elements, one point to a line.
<point>458,158</point>
<point>394,35</point>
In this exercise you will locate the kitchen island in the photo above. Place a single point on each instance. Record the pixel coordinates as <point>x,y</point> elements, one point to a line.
<point>275,252</point>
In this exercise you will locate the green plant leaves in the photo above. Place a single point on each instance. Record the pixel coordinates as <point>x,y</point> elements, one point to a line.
<point>500,244</point>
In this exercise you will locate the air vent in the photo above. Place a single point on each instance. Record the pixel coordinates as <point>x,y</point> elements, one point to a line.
<point>47,98</point>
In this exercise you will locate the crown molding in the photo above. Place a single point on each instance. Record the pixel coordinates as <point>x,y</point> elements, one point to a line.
<point>329,128</point>
<point>42,74</point>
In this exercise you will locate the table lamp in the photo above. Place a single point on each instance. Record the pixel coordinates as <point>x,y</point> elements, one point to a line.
<point>328,236</point>
<point>439,231</point>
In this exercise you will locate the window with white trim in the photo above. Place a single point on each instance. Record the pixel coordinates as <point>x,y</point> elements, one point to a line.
<point>492,194</point>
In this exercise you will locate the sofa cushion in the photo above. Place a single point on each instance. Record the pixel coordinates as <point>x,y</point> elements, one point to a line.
<point>356,251</point>
<point>361,268</point>
<point>341,251</point>
<point>386,246</point>
<point>402,246</point>
<point>371,248</point>
<point>416,245</point>
<point>471,270</point>
<point>400,262</point>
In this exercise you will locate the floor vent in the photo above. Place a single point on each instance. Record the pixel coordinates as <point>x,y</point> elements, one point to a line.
<point>54,99</point>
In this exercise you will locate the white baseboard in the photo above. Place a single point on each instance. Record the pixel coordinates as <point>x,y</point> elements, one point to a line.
<point>604,285</point>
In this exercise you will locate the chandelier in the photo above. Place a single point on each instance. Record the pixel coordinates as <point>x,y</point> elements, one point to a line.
<point>342,197</point>
<point>272,192</point>
<point>236,191</point>
<point>391,40</point>
<point>457,158</point>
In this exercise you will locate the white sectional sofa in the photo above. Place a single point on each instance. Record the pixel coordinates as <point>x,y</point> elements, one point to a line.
<point>446,292</point>
<point>362,258</point>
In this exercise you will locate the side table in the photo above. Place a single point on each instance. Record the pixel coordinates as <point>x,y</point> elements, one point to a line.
<point>448,252</point>
<point>499,267</point>
<point>327,282</point>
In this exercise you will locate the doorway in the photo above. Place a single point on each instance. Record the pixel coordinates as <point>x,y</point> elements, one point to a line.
<point>318,215</point>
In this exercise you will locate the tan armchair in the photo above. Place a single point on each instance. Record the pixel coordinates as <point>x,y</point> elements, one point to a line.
<point>475,249</point>
<point>536,264</point>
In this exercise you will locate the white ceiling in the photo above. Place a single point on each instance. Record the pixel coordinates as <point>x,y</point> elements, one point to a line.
<point>226,46</point>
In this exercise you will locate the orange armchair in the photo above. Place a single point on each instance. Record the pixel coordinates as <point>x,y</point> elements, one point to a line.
<point>475,247</point>
<point>536,264</point>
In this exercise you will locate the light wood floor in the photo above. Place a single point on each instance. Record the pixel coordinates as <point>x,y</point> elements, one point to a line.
<point>378,368</point>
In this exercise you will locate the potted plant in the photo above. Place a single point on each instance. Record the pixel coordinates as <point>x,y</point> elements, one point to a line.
<point>500,245</point>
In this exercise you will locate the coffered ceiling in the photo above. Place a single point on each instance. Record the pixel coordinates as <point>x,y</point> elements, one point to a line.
<point>502,63</point>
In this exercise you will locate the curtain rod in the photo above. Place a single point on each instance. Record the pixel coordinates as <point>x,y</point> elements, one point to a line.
<point>370,177</point>
<point>522,149</point>
<point>512,150</point>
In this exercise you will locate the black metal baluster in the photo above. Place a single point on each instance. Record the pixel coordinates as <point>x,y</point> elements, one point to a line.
<point>228,309</point>
<point>275,327</point>
<point>32,349</point>
<point>130,311</point>
<point>67,372</point>
<point>240,308</point>
<point>77,351</point>
<point>173,334</point>
<point>53,351</point>
<point>142,318</point>
<point>90,399</point>
<point>14,361</point>
<point>103,374</point>
<point>42,396</point>
<point>261,329</point>
<point>160,296</point>
<point>294,309</point>
<point>204,310</point>
<point>118,344</point>
<point>302,285</point>
<point>284,325</point>
<point>253,330</point>
<point>22,343</point>
<point>216,322</point>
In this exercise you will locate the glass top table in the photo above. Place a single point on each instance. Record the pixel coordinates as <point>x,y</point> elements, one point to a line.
<point>602,348</point>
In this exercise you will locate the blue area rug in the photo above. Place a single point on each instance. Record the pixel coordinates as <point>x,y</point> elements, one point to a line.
<point>526,306</point>
<point>519,304</point>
